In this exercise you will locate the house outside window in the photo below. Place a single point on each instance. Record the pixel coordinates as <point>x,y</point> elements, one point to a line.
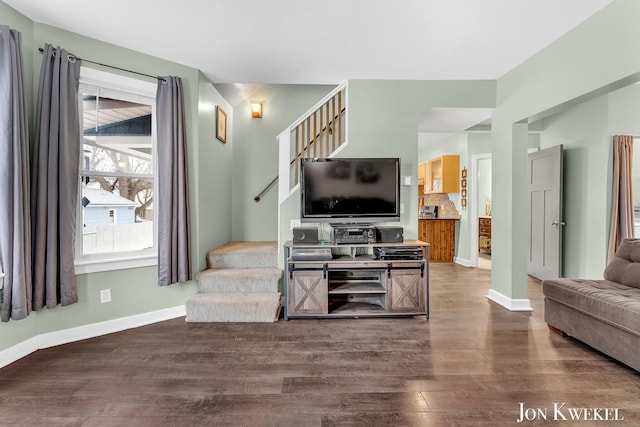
<point>116,227</point>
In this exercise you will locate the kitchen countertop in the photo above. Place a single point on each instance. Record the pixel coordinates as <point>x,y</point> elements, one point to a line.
<point>431,217</point>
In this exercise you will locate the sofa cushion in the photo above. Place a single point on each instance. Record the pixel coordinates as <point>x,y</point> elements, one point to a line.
<point>624,268</point>
<point>611,302</point>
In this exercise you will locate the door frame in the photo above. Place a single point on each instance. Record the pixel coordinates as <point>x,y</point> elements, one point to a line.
<point>474,214</point>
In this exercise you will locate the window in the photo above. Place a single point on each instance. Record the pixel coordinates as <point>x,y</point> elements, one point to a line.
<point>116,228</point>
<point>112,217</point>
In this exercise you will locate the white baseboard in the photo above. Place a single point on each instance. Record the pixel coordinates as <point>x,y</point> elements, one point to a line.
<point>92,330</point>
<point>511,304</point>
<point>462,261</point>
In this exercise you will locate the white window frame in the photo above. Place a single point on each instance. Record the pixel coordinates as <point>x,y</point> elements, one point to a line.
<point>133,90</point>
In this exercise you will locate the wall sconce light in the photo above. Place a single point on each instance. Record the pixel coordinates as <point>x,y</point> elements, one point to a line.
<point>256,110</point>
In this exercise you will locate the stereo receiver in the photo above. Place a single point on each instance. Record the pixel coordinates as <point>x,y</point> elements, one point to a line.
<point>353,234</point>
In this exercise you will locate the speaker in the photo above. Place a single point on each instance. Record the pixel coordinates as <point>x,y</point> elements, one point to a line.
<point>389,234</point>
<point>305,235</point>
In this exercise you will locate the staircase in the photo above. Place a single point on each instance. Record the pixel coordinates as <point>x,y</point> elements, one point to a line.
<point>320,132</point>
<point>240,285</point>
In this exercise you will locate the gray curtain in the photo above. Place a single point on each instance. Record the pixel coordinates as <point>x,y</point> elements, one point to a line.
<point>622,226</point>
<point>54,180</point>
<point>174,243</point>
<point>15,231</point>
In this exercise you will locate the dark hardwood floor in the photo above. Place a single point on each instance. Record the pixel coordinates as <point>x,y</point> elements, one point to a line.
<point>471,364</point>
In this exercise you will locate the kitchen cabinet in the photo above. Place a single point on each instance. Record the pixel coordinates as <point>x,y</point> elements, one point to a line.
<point>441,236</point>
<point>441,174</point>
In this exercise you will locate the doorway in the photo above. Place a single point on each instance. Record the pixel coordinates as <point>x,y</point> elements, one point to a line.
<point>480,215</point>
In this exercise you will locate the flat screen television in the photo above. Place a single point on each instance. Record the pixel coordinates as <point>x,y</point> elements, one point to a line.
<point>347,190</point>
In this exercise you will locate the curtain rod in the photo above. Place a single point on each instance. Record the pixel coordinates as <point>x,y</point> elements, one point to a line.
<point>111,66</point>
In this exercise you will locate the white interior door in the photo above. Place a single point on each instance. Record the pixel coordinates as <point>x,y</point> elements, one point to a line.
<point>544,175</point>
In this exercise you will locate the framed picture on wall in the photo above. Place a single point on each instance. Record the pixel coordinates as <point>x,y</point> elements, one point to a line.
<point>221,124</point>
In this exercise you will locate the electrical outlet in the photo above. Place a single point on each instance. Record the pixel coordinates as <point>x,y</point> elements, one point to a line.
<point>402,208</point>
<point>105,296</point>
<point>294,223</point>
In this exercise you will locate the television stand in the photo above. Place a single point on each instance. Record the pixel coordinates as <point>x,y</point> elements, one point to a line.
<point>353,283</point>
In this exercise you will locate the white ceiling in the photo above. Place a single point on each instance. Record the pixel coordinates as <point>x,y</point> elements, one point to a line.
<point>437,124</point>
<point>328,42</point>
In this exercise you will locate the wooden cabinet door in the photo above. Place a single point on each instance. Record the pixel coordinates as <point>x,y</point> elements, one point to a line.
<point>422,230</point>
<point>442,175</point>
<point>307,293</point>
<point>440,234</point>
<point>421,173</point>
<point>428,177</point>
<point>405,292</point>
<point>451,174</point>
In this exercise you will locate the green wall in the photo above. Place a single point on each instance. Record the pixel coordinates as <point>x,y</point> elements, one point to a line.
<point>586,132</point>
<point>582,130</point>
<point>466,145</point>
<point>213,194</point>
<point>595,58</point>
<point>135,291</point>
<point>255,155</point>
<point>598,56</point>
<point>383,120</point>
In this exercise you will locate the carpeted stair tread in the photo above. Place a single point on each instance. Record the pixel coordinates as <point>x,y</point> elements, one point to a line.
<point>233,307</point>
<point>254,280</point>
<point>244,255</point>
